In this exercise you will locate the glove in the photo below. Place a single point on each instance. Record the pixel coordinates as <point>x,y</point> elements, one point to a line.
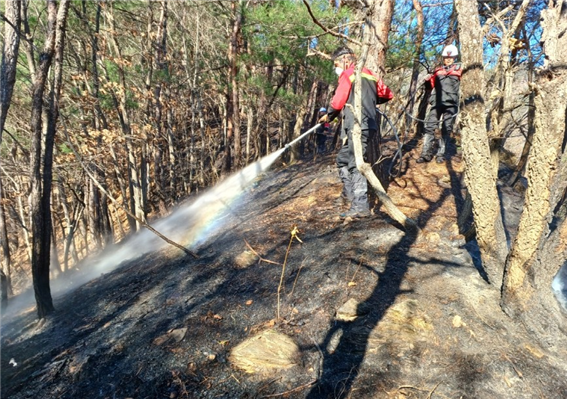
<point>324,119</point>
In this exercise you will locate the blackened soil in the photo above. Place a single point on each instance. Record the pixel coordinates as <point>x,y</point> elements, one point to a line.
<point>429,326</point>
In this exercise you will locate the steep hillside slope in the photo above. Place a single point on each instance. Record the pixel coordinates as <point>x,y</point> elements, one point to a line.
<point>420,322</point>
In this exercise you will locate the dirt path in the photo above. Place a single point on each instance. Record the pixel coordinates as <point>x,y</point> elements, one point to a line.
<point>161,326</point>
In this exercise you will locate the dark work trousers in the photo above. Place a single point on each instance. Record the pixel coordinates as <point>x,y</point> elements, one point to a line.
<point>320,140</point>
<point>355,186</point>
<point>431,123</point>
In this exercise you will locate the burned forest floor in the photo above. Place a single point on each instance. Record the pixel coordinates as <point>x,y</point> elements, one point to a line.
<point>347,308</point>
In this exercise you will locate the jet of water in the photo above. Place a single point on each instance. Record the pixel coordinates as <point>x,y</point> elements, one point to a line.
<point>189,225</point>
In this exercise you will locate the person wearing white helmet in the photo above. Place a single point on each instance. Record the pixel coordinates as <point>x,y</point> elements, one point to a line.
<point>450,51</point>
<point>445,82</point>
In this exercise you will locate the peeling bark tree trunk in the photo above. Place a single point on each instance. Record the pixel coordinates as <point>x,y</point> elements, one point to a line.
<point>381,21</point>
<point>533,261</point>
<point>480,177</point>
<point>519,169</point>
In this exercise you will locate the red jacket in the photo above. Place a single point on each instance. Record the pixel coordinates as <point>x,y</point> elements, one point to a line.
<point>446,81</point>
<point>374,91</point>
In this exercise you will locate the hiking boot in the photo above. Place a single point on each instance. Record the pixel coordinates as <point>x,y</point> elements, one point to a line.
<point>440,159</point>
<point>424,158</point>
<point>354,214</point>
<point>341,201</point>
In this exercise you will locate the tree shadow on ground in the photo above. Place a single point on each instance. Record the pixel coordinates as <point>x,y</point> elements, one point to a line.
<point>341,367</point>
<point>458,189</point>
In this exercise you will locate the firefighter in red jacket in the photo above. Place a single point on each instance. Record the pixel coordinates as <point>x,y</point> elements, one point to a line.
<point>373,91</point>
<point>444,101</point>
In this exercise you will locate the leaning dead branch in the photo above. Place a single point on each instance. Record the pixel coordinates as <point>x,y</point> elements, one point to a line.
<point>364,167</point>
<point>258,255</point>
<point>327,30</point>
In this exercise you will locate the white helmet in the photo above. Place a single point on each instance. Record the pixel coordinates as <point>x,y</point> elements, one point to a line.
<point>450,51</point>
<point>323,109</point>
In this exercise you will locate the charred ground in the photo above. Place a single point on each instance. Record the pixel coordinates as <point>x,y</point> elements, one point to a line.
<point>163,326</point>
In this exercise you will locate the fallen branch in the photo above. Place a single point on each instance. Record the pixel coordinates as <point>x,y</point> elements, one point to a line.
<point>411,387</point>
<point>351,282</point>
<point>514,366</point>
<point>433,390</point>
<point>296,278</point>
<point>258,255</point>
<point>275,395</point>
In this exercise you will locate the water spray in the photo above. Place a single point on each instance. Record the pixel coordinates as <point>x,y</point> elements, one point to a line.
<point>302,136</point>
<point>191,225</point>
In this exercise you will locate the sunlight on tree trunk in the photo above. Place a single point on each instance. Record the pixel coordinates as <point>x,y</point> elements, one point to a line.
<point>542,165</point>
<point>380,23</point>
<point>480,176</point>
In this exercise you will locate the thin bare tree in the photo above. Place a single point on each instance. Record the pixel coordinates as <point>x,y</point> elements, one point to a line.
<point>41,156</point>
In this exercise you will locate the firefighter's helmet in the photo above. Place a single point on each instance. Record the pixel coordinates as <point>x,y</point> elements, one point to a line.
<point>450,51</point>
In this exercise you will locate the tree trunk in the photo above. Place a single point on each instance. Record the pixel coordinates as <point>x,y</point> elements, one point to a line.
<point>541,313</point>
<point>233,102</point>
<point>480,177</point>
<point>29,48</point>
<point>41,179</point>
<point>70,222</point>
<point>160,65</point>
<point>501,113</point>
<point>7,81</point>
<point>9,58</point>
<point>525,273</point>
<point>407,121</point>
<point>134,185</point>
<point>5,244</point>
<point>296,153</point>
<point>380,22</point>
<point>25,223</point>
<point>519,169</point>
<point>122,185</point>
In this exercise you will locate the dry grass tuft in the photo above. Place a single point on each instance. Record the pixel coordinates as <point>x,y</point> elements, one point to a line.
<point>406,316</point>
<point>265,352</point>
<point>246,259</point>
<point>404,321</point>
